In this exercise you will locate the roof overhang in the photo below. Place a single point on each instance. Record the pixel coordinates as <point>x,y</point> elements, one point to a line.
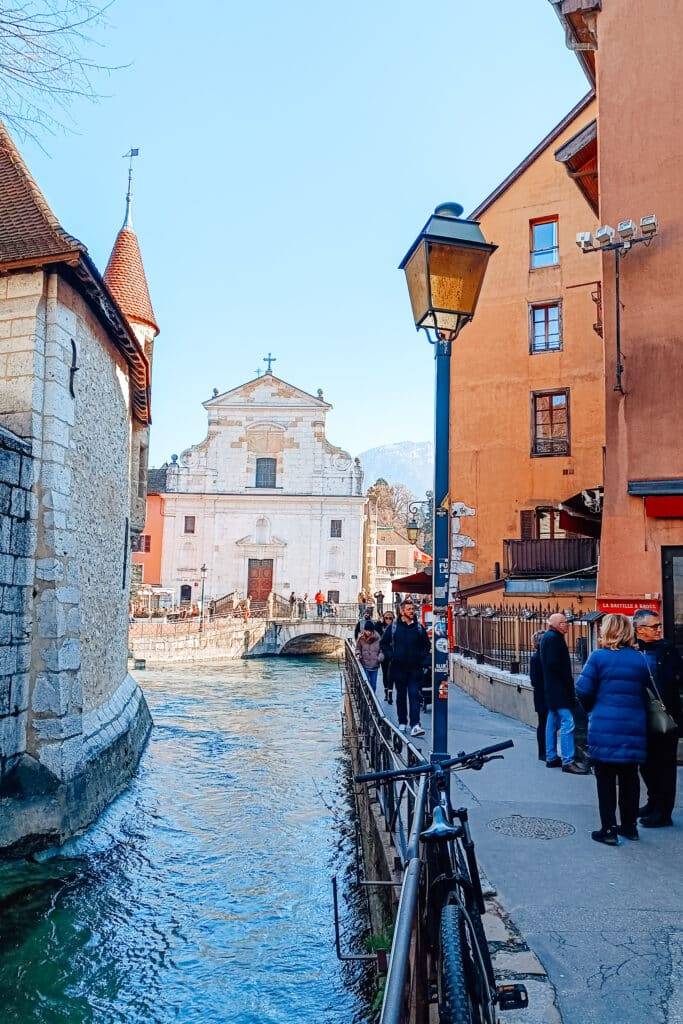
<point>579,19</point>
<point>658,488</point>
<point>580,158</point>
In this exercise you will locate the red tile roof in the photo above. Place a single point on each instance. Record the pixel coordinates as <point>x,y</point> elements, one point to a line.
<point>125,277</point>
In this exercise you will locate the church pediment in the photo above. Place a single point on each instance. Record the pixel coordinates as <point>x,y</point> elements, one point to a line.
<point>251,541</point>
<point>269,391</point>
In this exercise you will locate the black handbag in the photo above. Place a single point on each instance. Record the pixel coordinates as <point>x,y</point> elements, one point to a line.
<point>659,721</point>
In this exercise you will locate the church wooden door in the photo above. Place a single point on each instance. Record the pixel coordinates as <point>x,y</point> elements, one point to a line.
<point>260,580</point>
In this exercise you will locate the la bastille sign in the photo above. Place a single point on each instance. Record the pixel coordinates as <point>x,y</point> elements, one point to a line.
<point>627,605</point>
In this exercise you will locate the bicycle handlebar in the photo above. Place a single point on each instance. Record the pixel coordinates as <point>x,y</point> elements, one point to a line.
<point>426,768</point>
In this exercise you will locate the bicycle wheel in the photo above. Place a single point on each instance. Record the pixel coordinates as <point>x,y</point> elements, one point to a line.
<point>455,1006</point>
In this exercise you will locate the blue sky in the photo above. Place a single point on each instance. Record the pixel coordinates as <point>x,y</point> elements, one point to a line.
<point>290,152</point>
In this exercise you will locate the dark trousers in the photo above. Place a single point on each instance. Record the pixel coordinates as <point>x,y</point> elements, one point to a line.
<point>380,605</point>
<point>625,777</point>
<point>540,733</point>
<point>408,693</point>
<point>386,674</point>
<point>659,773</point>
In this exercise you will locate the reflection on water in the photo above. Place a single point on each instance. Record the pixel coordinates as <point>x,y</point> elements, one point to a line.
<point>203,894</point>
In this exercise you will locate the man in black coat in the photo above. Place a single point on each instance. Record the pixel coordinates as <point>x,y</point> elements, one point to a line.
<point>560,696</point>
<point>406,643</point>
<point>538,684</point>
<point>666,669</point>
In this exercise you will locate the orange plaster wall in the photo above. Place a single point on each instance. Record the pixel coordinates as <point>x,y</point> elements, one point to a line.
<point>154,528</point>
<point>493,372</point>
<point>640,139</point>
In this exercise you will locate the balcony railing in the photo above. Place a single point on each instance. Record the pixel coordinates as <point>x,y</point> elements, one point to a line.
<point>549,557</point>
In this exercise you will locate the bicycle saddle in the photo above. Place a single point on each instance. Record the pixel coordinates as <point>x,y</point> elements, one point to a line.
<point>440,828</point>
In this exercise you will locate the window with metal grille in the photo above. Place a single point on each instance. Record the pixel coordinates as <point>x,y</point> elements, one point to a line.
<point>390,559</point>
<point>545,326</point>
<point>266,471</point>
<point>550,422</point>
<point>545,251</point>
<point>335,528</point>
<point>189,524</point>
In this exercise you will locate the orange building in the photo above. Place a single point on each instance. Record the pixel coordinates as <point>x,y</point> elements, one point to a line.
<point>147,548</point>
<point>527,395</point>
<point>632,57</point>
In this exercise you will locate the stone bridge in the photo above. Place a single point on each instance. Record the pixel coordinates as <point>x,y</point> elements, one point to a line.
<point>304,636</point>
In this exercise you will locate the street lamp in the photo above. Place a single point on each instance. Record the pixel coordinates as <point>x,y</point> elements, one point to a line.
<point>203,571</point>
<point>620,242</point>
<point>424,510</point>
<point>445,268</point>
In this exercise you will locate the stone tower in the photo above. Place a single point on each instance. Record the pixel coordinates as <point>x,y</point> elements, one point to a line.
<point>125,276</point>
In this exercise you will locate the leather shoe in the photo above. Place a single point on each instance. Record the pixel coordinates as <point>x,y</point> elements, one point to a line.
<point>656,821</point>
<point>628,833</point>
<point>606,836</point>
<point>645,810</point>
<point>555,763</point>
<point>576,769</point>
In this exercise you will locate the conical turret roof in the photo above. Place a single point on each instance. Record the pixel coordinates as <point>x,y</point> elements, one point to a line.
<point>125,276</point>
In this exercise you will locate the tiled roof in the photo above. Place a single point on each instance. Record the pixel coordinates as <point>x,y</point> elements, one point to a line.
<point>156,480</point>
<point>29,230</point>
<point>125,276</point>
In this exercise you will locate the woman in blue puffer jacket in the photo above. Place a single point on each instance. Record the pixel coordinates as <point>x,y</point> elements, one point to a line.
<point>611,688</point>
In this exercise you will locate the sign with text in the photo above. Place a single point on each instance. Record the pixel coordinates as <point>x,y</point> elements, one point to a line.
<point>627,605</point>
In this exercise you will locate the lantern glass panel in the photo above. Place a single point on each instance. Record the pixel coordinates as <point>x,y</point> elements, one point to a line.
<point>416,276</point>
<point>456,274</point>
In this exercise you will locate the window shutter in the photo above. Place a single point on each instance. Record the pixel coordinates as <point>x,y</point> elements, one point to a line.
<point>526,523</point>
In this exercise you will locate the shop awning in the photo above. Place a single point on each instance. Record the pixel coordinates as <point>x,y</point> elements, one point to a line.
<point>417,583</point>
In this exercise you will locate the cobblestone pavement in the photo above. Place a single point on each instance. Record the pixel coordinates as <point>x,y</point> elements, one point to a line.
<point>607,924</point>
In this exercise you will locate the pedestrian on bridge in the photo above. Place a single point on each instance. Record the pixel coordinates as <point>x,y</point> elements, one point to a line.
<point>379,601</point>
<point>368,651</point>
<point>612,688</point>
<point>292,605</point>
<point>362,601</point>
<point>319,602</point>
<point>407,645</point>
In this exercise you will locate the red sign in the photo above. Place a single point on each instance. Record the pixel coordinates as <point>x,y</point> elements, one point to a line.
<point>664,507</point>
<point>627,605</point>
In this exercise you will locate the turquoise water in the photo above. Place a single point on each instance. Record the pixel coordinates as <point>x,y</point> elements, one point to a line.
<point>203,894</point>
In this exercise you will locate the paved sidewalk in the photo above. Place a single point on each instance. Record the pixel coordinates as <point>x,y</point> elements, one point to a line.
<point>607,924</point>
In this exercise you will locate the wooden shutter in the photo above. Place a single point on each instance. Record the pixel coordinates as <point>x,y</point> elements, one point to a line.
<point>527,523</point>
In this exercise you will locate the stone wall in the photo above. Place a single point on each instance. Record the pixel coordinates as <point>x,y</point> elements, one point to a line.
<point>16,577</point>
<point>500,691</point>
<point>222,641</point>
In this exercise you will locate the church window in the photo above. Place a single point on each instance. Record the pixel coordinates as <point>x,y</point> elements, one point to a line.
<point>335,528</point>
<point>190,522</point>
<point>266,472</point>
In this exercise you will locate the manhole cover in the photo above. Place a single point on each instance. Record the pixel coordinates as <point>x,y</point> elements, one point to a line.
<point>531,828</point>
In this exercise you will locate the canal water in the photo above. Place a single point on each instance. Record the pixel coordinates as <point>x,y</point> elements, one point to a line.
<point>203,894</point>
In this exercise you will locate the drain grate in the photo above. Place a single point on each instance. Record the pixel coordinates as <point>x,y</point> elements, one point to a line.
<point>531,828</point>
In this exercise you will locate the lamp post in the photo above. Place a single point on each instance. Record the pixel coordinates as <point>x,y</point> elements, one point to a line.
<point>620,242</point>
<point>203,571</point>
<point>425,511</point>
<point>445,268</point>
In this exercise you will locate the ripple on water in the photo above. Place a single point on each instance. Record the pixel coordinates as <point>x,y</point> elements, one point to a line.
<point>203,894</point>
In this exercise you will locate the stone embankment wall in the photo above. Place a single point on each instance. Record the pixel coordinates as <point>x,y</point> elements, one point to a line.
<point>223,640</point>
<point>501,691</point>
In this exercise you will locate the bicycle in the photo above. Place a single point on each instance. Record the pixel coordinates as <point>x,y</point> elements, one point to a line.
<point>460,973</point>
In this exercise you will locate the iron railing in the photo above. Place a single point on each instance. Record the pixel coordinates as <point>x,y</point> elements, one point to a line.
<point>501,636</point>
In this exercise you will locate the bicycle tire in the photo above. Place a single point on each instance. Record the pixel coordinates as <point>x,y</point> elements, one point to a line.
<point>455,1006</point>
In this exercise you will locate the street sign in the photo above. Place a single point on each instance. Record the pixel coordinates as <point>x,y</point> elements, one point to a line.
<point>627,605</point>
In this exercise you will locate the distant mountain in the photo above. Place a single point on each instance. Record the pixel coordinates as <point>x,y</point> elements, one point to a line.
<point>405,462</point>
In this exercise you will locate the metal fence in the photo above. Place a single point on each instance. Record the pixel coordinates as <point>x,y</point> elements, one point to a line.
<point>502,636</point>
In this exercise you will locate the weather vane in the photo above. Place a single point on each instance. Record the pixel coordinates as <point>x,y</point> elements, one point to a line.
<point>133,151</point>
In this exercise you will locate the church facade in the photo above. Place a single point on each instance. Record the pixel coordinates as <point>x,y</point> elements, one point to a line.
<point>264,502</point>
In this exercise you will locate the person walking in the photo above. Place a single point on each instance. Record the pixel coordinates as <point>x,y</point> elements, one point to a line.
<point>665,668</point>
<point>367,622</point>
<point>538,684</point>
<point>362,601</point>
<point>385,623</point>
<point>319,602</point>
<point>301,606</point>
<point>292,605</point>
<point>368,651</point>
<point>612,689</point>
<point>406,644</point>
<point>560,697</point>
<point>379,601</point>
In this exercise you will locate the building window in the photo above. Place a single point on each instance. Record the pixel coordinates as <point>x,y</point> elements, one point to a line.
<point>546,327</point>
<point>190,522</point>
<point>266,472</point>
<point>390,559</point>
<point>542,523</point>
<point>335,528</point>
<point>544,248</point>
<point>333,596</point>
<point>143,543</point>
<point>550,422</point>
<point>185,593</point>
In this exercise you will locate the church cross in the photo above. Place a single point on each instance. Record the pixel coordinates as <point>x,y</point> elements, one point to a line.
<point>258,371</point>
<point>269,359</point>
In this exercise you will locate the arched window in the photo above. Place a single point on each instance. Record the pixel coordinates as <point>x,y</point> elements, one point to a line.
<point>262,532</point>
<point>185,593</point>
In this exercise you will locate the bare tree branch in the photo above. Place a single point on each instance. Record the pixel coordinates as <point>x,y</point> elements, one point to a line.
<point>46,61</point>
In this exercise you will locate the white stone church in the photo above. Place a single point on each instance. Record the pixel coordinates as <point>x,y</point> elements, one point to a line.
<point>264,501</point>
